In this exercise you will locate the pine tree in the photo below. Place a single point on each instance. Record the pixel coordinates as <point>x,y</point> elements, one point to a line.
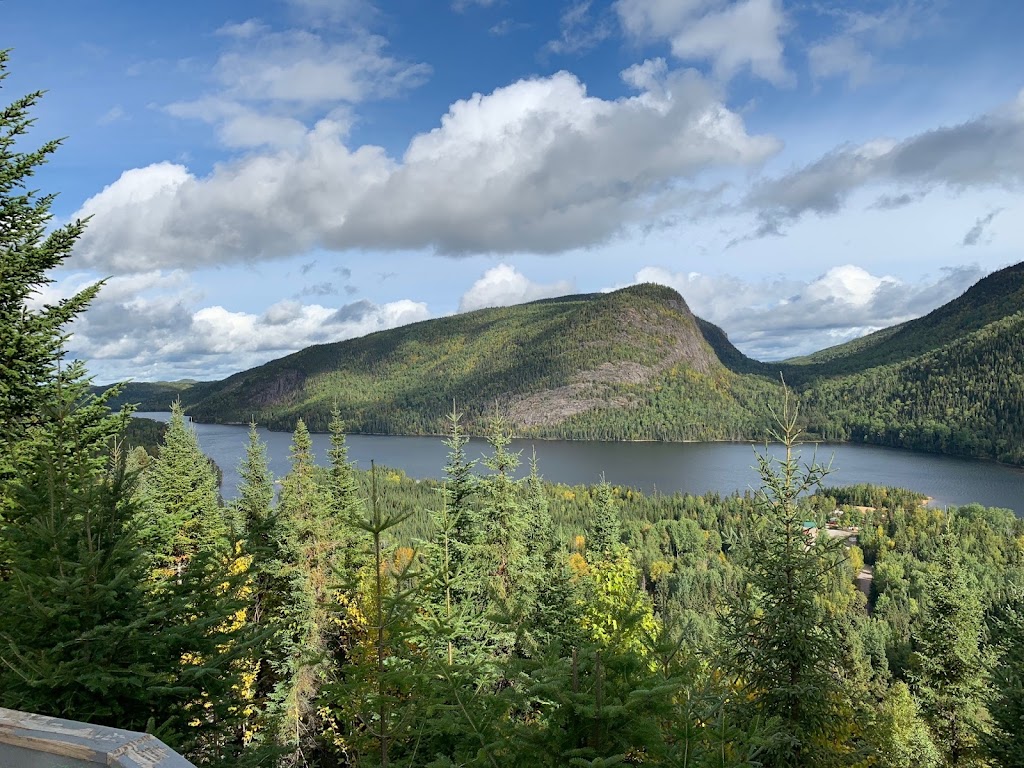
<point>308,540</point>
<point>778,638</point>
<point>1005,743</point>
<point>86,634</point>
<point>31,338</point>
<point>948,666</point>
<point>181,512</point>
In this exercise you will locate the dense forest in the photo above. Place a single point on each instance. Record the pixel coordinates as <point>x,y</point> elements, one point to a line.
<point>341,618</point>
<point>636,364</point>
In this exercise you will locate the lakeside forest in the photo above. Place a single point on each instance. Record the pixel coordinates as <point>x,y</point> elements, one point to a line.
<point>636,364</point>
<point>354,618</point>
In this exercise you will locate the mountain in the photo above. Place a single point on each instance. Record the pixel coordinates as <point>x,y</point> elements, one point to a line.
<point>990,299</point>
<point>964,398</point>
<point>636,364</point>
<point>632,364</point>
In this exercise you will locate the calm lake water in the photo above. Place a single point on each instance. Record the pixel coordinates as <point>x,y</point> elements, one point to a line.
<point>666,467</point>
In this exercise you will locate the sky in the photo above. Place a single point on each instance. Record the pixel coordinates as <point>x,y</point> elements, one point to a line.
<point>261,176</point>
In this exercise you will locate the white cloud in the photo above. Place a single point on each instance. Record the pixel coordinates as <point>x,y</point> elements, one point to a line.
<point>462,5</point>
<point>838,56</point>
<point>153,326</point>
<point>538,165</point>
<point>243,30</point>
<point>579,30</point>
<point>239,126</point>
<point>504,285</point>
<point>302,68</point>
<point>733,36</point>
<point>112,115</point>
<point>772,319</point>
<point>958,157</point>
<point>852,51</point>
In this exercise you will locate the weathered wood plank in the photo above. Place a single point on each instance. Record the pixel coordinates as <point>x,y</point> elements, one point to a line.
<point>86,743</point>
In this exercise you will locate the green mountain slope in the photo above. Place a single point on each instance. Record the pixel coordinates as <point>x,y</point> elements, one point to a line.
<point>964,398</point>
<point>632,364</point>
<point>990,299</point>
<point>636,364</point>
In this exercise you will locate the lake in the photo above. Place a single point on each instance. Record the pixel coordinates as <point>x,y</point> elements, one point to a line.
<point>666,467</point>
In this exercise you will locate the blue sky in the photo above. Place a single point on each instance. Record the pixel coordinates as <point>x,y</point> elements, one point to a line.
<point>262,176</point>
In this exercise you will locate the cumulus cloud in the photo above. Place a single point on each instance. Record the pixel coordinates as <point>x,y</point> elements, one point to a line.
<point>504,285</point>
<point>154,325</point>
<point>538,165</point>
<point>958,157</point>
<point>772,319</point>
<point>732,35</point>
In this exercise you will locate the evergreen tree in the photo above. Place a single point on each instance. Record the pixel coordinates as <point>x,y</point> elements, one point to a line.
<point>381,683</point>
<point>607,536</point>
<point>31,337</point>
<point>254,512</point>
<point>256,490</point>
<point>778,637</point>
<point>461,484</point>
<point>947,665</point>
<point>1005,743</point>
<point>181,513</point>
<point>500,561</point>
<point>900,736</point>
<point>86,635</point>
<point>308,537</point>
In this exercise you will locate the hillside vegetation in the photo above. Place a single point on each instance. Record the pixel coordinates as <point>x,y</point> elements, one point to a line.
<point>636,364</point>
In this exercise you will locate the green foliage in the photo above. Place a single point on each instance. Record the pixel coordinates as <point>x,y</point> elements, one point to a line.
<point>87,634</point>
<point>31,337</point>
<point>1005,743</point>
<point>900,736</point>
<point>780,638</point>
<point>948,665</point>
<point>181,512</point>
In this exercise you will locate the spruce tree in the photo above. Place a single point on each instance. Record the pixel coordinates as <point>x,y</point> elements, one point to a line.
<point>948,667</point>
<point>460,487</point>
<point>778,638</point>
<point>31,337</point>
<point>500,561</point>
<point>86,634</point>
<point>254,511</point>
<point>607,535</point>
<point>1005,743</point>
<point>181,513</point>
<point>308,537</point>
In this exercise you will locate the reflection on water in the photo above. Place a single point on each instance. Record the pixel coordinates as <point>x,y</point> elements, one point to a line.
<point>665,467</point>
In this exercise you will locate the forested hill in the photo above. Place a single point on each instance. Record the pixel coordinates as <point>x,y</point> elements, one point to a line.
<point>636,364</point>
<point>631,364</point>
<point>990,299</point>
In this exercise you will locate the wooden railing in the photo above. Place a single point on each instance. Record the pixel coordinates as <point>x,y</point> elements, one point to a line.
<point>37,741</point>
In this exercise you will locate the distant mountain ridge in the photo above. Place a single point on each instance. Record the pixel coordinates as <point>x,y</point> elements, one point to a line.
<point>637,364</point>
